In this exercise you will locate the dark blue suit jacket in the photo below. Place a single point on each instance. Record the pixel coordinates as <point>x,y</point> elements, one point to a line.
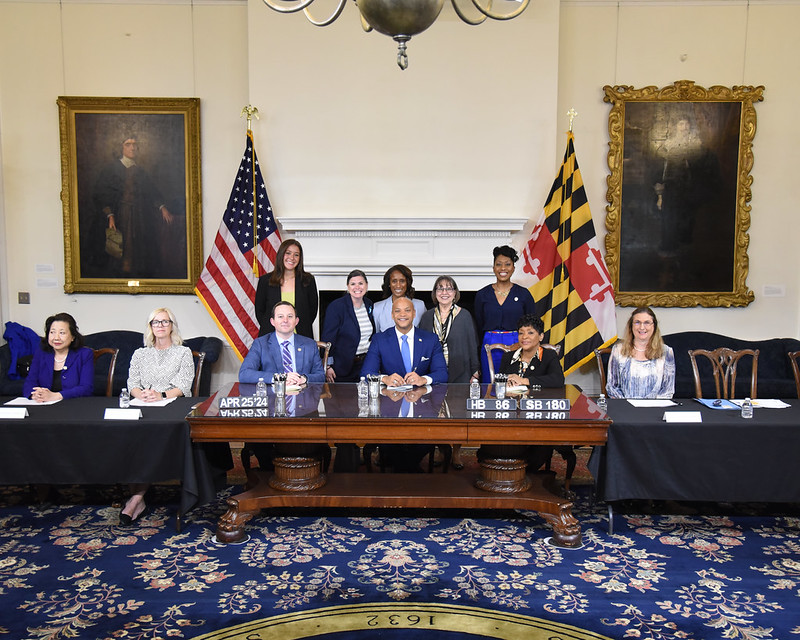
<point>342,331</point>
<point>77,375</point>
<point>264,359</point>
<point>384,356</point>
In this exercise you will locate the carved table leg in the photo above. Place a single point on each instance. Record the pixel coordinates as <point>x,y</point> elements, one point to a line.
<point>230,526</point>
<point>566,528</point>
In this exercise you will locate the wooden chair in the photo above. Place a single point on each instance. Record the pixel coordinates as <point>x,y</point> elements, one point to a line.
<point>199,358</point>
<point>324,352</point>
<point>793,356</point>
<point>724,363</point>
<point>112,365</point>
<point>511,347</point>
<point>601,355</point>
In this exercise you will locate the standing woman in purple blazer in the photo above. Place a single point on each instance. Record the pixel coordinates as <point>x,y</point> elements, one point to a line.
<point>63,367</point>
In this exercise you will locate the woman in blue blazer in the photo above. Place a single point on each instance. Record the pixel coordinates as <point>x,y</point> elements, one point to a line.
<point>63,367</point>
<point>349,326</point>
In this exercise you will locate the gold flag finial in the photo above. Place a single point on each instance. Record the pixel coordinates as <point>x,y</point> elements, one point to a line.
<point>250,111</point>
<point>572,115</point>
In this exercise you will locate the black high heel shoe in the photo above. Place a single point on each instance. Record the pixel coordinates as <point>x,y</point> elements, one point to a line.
<point>126,521</point>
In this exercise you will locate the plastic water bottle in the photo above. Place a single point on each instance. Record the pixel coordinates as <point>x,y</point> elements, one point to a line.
<point>261,388</point>
<point>363,389</point>
<point>474,389</point>
<point>124,399</point>
<point>747,408</point>
<point>601,402</point>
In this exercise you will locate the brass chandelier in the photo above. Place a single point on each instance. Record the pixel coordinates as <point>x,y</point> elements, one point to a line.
<point>398,19</point>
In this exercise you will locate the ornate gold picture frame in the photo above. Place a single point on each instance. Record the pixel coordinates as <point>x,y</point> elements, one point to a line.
<point>679,190</point>
<point>130,193</point>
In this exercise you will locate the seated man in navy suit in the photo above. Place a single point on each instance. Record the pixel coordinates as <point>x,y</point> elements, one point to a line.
<point>282,351</point>
<point>405,355</point>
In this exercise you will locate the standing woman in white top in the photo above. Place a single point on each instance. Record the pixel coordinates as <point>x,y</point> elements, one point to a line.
<point>161,369</point>
<point>397,283</point>
<point>641,365</point>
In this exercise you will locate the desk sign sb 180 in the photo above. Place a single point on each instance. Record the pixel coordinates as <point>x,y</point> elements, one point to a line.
<point>523,404</point>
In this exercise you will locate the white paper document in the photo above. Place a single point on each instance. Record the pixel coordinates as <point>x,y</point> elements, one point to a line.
<point>764,403</point>
<point>654,402</point>
<point>520,388</point>
<point>136,402</point>
<point>402,387</point>
<point>682,416</point>
<point>27,401</point>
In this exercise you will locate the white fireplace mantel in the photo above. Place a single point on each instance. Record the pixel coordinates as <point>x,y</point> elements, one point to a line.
<point>430,247</point>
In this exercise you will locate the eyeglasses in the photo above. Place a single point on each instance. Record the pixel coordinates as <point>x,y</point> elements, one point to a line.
<point>643,323</point>
<point>445,289</point>
<point>160,323</point>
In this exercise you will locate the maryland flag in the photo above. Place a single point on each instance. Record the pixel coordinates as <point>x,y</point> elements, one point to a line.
<point>565,272</point>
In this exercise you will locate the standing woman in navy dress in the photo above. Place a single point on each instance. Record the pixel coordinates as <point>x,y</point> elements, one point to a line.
<point>288,282</point>
<point>499,306</point>
<point>63,367</point>
<point>349,326</point>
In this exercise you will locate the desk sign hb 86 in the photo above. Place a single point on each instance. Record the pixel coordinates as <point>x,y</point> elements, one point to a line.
<point>491,404</point>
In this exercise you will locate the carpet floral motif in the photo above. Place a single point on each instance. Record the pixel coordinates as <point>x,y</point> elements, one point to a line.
<point>398,568</point>
<point>70,571</point>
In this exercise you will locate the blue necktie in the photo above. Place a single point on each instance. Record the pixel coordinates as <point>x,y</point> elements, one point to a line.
<point>405,351</point>
<point>404,408</point>
<point>287,357</point>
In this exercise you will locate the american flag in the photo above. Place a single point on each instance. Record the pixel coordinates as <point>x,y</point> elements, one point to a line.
<point>227,285</point>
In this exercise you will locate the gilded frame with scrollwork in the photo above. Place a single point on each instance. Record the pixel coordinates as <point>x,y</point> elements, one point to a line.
<point>679,191</point>
<point>131,194</point>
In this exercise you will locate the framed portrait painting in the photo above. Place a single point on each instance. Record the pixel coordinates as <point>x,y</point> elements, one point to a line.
<point>131,196</point>
<point>679,190</point>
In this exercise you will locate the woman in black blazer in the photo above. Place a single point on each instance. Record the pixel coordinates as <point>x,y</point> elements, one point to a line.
<point>288,282</point>
<point>349,326</point>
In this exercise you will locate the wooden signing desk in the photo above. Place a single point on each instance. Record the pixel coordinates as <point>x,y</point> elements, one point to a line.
<point>331,414</point>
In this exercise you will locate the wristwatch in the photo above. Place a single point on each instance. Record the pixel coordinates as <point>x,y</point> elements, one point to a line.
<point>163,394</point>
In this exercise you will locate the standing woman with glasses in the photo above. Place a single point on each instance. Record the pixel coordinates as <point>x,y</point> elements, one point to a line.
<point>641,365</point>
<point>288,282</point>
<point>163,368</point>
<point>455,329</point>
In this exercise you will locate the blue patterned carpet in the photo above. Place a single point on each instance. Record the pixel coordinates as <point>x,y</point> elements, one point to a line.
<point>67,570</point>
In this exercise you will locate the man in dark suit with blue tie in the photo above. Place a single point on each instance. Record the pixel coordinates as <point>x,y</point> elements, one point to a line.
<point>283,351</point>
<point>404,355</point>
